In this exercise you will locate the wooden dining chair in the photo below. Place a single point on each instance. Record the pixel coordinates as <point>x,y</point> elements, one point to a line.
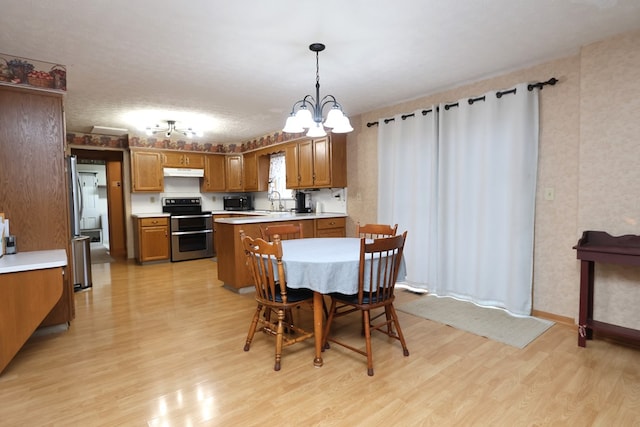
<point>375,231</point>
<point>285,231</point>
<point>264,259</point>
<point>378,271</point>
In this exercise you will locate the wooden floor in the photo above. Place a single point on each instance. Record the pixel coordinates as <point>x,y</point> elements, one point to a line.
<point>161,345</point>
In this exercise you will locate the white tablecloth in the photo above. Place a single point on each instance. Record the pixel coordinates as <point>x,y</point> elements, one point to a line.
<point>324,265</point>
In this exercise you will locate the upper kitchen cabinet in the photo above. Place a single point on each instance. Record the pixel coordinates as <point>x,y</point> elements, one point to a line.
<point>214,173</point>
<point>174,159</point>
<point>317,163</point>
<point>146,171</point>
<point>256,171</point>
<point>234,172</point>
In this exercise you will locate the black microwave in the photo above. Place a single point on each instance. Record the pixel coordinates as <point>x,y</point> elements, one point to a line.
<point>238,203</point>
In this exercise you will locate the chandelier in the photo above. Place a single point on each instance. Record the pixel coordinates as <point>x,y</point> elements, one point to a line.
<point>307,112</point>
<point>171,128</point>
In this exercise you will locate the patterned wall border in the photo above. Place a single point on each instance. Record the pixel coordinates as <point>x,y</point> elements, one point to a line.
<point>181,145</point>
<point>97,140</point>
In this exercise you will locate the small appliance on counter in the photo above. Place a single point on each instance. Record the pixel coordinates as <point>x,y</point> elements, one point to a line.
<point>238,203</point>
<point>11,246</point>
<point>302,203</point>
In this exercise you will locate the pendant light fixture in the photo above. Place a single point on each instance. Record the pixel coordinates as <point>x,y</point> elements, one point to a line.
<point>171,128</point>
<point>307,112</point>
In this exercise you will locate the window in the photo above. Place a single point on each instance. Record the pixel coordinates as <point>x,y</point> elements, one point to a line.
<point>277,176</point>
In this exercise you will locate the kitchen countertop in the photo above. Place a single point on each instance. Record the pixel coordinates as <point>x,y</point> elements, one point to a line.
<point>266,216</point>
<point>32,260</point>
<point>150,215</point>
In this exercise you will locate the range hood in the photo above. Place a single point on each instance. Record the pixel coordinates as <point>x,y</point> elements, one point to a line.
<point>185,172</point>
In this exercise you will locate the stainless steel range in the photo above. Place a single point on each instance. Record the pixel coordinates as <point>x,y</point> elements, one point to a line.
<point>191,228</point>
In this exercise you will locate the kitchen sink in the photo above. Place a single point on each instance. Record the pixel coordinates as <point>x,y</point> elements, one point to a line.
<point>275,213</point>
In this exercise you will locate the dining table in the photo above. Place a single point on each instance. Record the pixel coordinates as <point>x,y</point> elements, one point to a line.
<point>323,265</point>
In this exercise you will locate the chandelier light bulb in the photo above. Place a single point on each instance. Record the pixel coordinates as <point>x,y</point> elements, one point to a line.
<point>343,125</point>
<point>316,131</point>
<point>334,117</point>
<point>293,125</point>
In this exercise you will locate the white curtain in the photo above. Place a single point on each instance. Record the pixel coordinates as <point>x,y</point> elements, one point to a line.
<point>407,168</point>
<point>483,203</point>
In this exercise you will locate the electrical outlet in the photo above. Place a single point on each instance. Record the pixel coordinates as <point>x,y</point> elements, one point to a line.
<point>152,199</point>
<point>549,193</point>
<point>213,198</point>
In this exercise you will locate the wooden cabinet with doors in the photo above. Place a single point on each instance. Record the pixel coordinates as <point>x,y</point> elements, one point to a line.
<point>33,180</point>
<point>214,173</point>
<point>146,171</point>
<point>317,163</point>
<point>256,171</point>
<point>234,172</point>
<point>175,159</point>
<point>152,239</point>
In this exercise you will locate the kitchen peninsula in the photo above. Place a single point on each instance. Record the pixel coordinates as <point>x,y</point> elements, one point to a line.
<point>232,270</point>
<point>31,283</point>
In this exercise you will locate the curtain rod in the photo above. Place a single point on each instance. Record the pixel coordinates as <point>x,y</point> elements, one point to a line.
<point>552,81</point>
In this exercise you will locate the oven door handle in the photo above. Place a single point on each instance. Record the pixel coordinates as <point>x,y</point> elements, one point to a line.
<point>190,216</point>
<point>184,233</point>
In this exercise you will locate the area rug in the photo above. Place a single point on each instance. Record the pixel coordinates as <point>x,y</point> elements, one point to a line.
<point>495,324</point>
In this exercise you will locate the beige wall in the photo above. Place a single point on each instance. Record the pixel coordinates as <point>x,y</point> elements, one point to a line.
<point>589,145</point>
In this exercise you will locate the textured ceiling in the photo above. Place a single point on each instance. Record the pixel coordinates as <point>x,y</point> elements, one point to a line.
<point>237,67</point>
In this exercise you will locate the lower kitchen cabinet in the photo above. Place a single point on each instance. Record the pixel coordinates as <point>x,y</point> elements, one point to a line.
<point>331,227</point>
<point>152,239</point>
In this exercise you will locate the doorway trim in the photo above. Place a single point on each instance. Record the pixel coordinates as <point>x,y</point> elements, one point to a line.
<point>114,160</point>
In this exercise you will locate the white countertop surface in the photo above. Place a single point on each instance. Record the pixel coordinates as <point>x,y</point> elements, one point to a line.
<point>150,215</point>
<point>258,217</point>
<point>33,260</point>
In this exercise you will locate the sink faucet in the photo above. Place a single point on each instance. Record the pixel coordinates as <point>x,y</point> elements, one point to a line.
<point>280,205</point>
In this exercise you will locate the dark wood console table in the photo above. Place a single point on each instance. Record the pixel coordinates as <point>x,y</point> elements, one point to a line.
<point>598,246</point>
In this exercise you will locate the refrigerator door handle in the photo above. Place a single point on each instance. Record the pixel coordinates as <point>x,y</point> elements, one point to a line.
<point>80,196</point>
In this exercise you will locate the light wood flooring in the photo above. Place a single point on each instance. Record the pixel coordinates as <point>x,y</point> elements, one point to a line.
<point>162,345</point>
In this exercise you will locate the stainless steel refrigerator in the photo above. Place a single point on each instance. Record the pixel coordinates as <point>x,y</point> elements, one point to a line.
<point>80,245</point>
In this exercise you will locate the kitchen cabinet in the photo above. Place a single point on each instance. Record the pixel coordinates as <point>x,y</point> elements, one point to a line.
<point>214,173</point>
<point>216,242</point>
<point>33,184</point>
<point>331,227</point>
<point>152,239</point>
<point>234,172</point>
<point>146,171</point>
<point>174,159</point>
<point>255,171</point>
<point>317,163</point>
